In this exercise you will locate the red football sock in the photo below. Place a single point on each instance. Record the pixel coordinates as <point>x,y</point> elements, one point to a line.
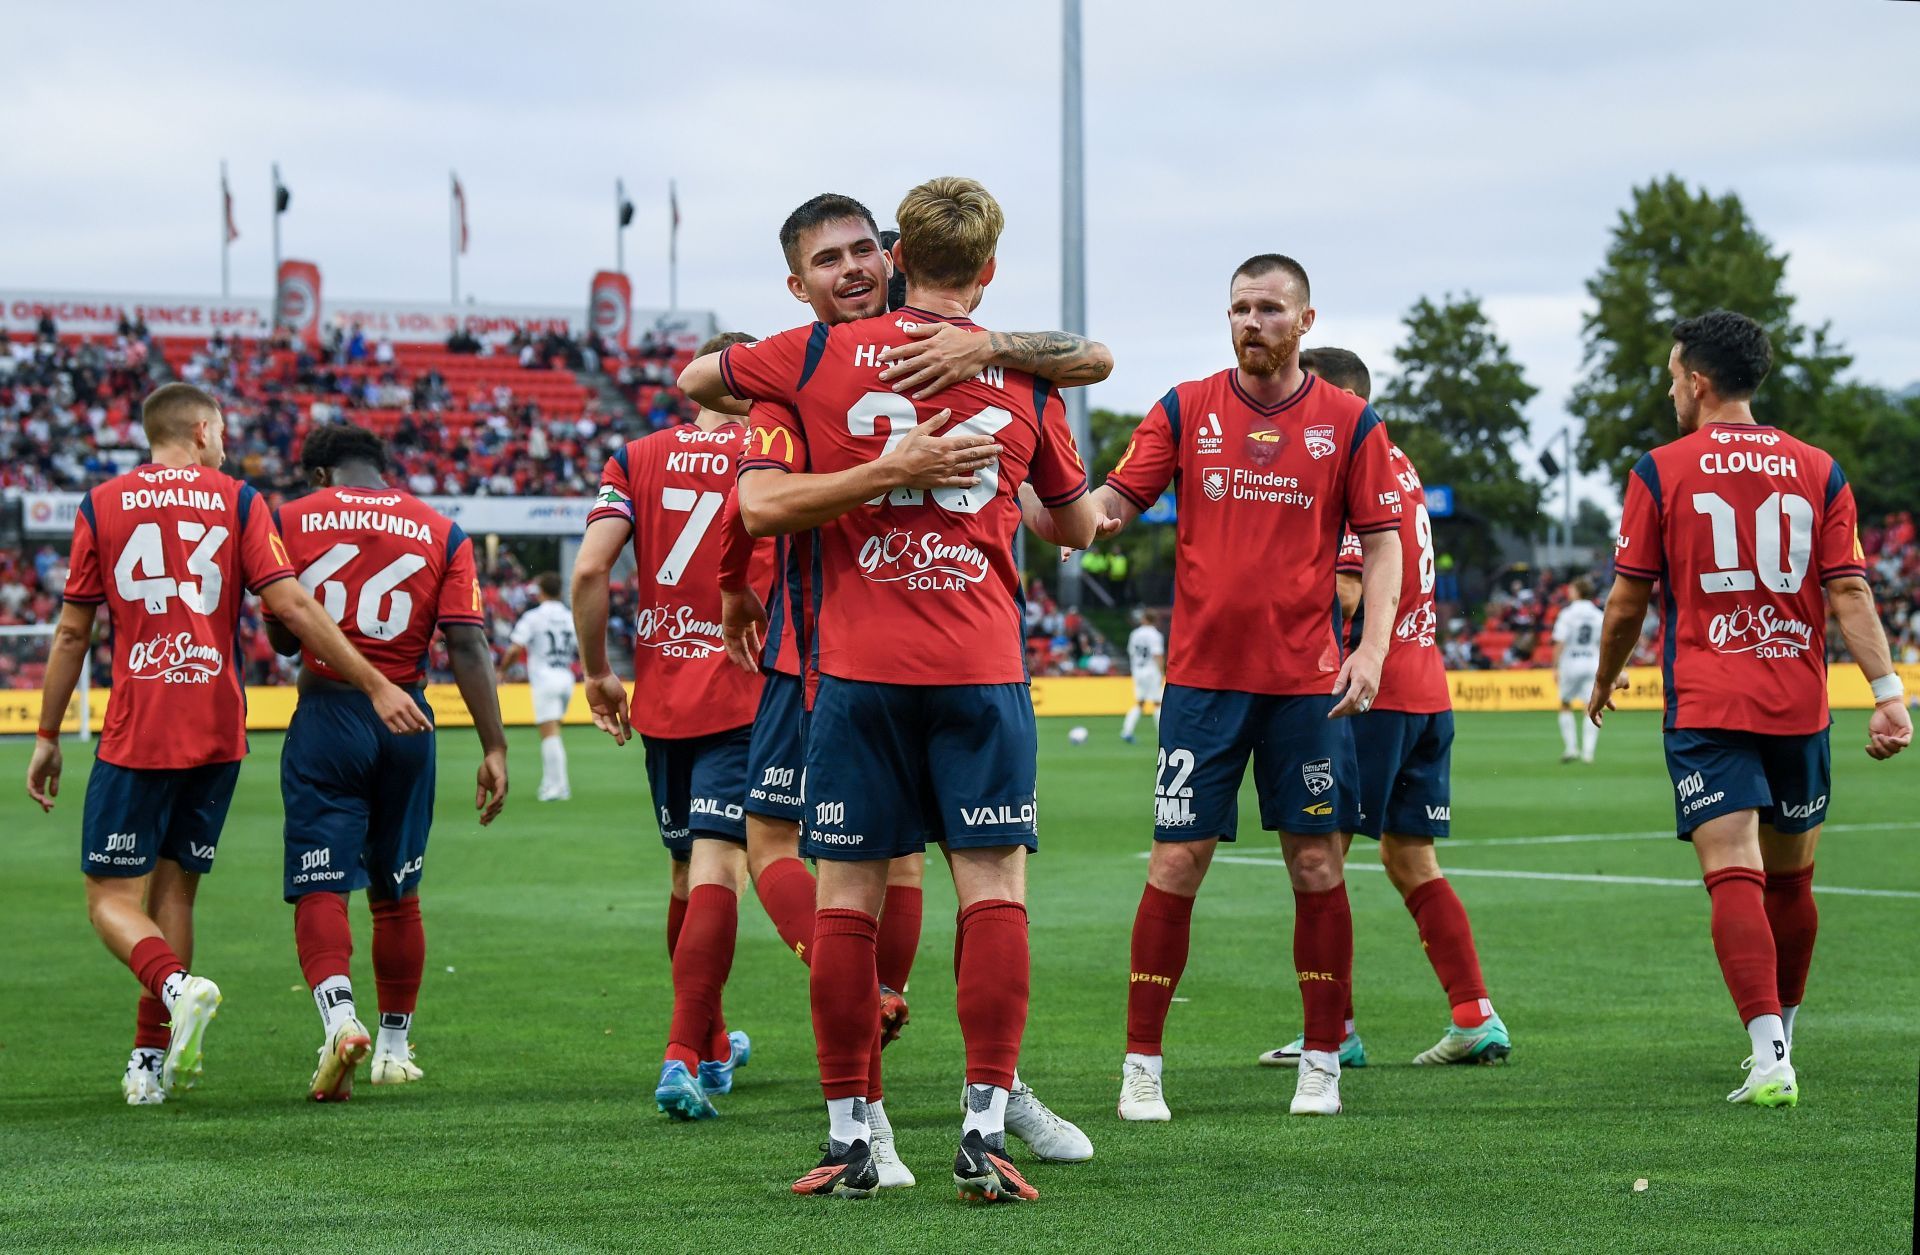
<point>676,919</point>
<point>844,988</point>
<point>700,968</point>
<point>991,995</point>
<point>1161,927</point>
<point>150,1031</point>
<point>1323,962</point>
<point>1795,921</point>
<point>786,889</point>
<point>1743,941</point>
<point>399,953</point>
<point>1447,937</point>
<point>322,936</point>
<point>153,961</point>
<point>875,1089</point>
<point>899,939</point>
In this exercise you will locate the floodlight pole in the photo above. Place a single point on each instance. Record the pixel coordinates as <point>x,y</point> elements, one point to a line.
<point>1073,248</point>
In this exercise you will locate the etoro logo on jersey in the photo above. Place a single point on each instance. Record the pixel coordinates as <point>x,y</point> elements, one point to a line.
<point>677,632</point>
<point>924,560</point>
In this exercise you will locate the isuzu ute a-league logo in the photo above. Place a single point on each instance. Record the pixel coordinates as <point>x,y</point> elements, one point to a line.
<point>1319,442</point>
<point>1213,482</point>
<point>1318,774</point>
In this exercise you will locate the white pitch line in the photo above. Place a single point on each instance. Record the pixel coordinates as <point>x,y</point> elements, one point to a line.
<point>1579,838</point>
<point>1574,877</point>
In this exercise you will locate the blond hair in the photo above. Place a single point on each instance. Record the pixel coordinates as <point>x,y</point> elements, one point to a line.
<point>949,228</point>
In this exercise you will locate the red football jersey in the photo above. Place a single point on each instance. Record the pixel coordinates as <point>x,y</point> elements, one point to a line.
<point>1264,493</point>
<point>1414,677</point>
<point>388,568</point>
<point>1742,526</point>
<point>914,587</point>
<point>671,487</point>
<point>786,600</point>
<point>169,551</point>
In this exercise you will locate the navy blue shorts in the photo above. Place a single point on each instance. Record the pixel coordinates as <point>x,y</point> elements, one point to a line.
<point>359,799</point>
<point>891,767</point>
<point>134,817</point>
<point>1717,772</point>
<point>1405,764</point>
<point>777,755</point>
<point>698,783</point>
<point>1303,764</point>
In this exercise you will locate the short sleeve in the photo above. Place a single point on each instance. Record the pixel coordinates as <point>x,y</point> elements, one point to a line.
<point>460,586</point>
<point>1840,551</point>
<point>1373,491</point>
<point>769,369</point>
<point>1351,559</point>
<point>1638,550</point>
<point>1147,467</point>
<point>776,441</point>
<point>263,555</point>
<point>615,497</point>
<point>84,585</point>
<point>1057,474</point>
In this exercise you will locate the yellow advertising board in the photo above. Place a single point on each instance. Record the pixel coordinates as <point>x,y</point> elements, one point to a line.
<point>270,708</point>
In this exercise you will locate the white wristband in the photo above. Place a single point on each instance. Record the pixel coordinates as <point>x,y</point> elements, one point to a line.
<point>1887,688</point>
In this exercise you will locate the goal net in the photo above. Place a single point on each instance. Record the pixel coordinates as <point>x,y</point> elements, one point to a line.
<point>23,665</point>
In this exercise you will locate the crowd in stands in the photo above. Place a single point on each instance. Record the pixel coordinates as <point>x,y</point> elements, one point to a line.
<point>1063,642</point>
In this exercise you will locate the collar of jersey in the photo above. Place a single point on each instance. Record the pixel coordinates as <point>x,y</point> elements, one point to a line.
<point>917,312</point>
<point>1298,394</point>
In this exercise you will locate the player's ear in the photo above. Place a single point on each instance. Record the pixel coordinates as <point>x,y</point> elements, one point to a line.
<point>1306,320</point>
<point>986,274</point>
<point>796,287</point>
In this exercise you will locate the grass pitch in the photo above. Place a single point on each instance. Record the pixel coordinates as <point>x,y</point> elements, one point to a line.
<point>546,1002</point>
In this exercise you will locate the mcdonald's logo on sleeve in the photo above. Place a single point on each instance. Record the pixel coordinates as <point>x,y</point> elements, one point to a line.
<point>767,439</point>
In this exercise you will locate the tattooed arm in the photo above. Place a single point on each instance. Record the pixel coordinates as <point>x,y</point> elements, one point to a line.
<point>942,355</point>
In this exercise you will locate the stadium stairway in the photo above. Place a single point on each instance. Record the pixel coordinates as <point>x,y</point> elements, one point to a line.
<point>614,402</point>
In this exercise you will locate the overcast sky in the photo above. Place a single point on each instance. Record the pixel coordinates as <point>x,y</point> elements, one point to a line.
<point>1397,148</point>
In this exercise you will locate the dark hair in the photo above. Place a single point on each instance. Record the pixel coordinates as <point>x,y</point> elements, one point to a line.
<point>1266,263</point>
<point>725,339</point>
<point>1340,367</point>
<point>549,584</point>
<point>896,286</point>
<point>170,411</point>
<point>1730,349</point>
<point>336,444</point>
<point>822,209</point>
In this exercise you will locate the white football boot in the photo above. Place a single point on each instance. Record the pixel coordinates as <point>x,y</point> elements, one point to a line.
<point>193,1010</point>
<point>346,1046</point>
<point>894,1175</point>
<point>392,1068</point>
<point>140,1085</point>
<point>1772,1086</point>
<point>1317,1092</point>
<point>1050,1137</point>
<point>1140,1096</point>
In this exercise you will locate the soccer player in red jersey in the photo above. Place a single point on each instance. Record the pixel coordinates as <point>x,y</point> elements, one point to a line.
<point>921,727</point>
<point>837,265</point>
<point>693,710</point>
<point>1270,465</point>
<point>1744,527</point>
<point>169,548</point>
<point>1404,751</point>
<point>388,568</point>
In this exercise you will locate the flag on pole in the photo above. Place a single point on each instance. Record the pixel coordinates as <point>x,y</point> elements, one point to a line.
<point>460,201</point>
<point>673,203</point>
<point>226,195</point>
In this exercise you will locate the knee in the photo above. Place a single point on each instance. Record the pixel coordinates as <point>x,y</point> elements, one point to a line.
<point>1315,866</point>
<point>909,871</point>
<point>1409,864</point>
<point>1179,866</point>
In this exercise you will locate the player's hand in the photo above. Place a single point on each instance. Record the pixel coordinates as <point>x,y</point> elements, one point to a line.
<point>43,774</point>
<point>398,711</point>
<point>924,460</point>
<point>607,699</point>
<point>491,793</point>
<point>743,627</point>
<point>1358,682</point>
<point>1889,729</point>
<point>1600,701</point>
<point>940,356</point>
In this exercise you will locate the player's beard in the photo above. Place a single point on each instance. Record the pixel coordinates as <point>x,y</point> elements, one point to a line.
<point>1267,358</point>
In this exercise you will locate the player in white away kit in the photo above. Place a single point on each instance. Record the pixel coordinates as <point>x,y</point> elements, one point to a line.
<point>1147,656</point>
<point>544,636</point>
<point>1576,656</point>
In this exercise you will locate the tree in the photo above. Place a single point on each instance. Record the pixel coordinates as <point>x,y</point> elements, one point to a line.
<point>1677,253</point>
<point>1455,409</point>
